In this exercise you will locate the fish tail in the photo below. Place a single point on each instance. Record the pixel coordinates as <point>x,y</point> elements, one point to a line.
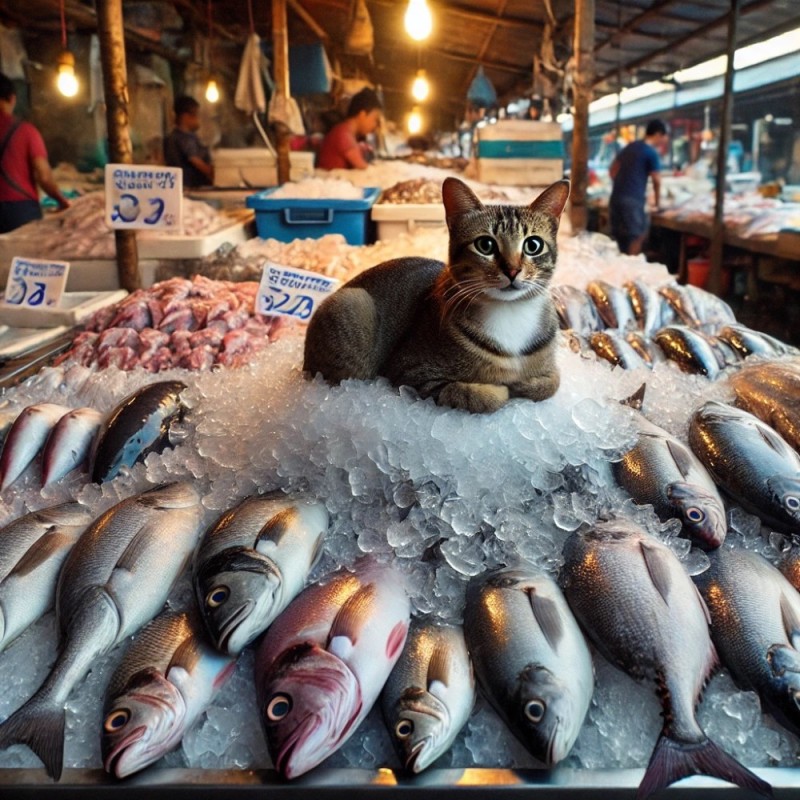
<point>40,725</point>
<point>673,760</point>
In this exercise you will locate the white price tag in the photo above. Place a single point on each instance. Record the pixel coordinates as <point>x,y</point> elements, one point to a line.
<point>292,292</point>
<point>35,283</point>
<point>145,197</point>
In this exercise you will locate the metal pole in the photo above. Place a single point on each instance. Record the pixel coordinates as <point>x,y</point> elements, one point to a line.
<point>582,93</point>
<point>280,45</point>
<point>111,35</point>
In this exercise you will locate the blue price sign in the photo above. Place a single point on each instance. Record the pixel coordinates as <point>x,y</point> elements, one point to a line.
<point>35,283</point>
<point>144,197</point>
<point>292,292</point>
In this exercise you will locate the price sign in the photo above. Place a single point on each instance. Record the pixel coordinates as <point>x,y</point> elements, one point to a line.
<point>292,292</point>
<point>34,283</point>
<point>141,196</point>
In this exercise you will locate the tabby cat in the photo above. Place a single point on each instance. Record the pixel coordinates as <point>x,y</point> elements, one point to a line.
<point>470,334</point>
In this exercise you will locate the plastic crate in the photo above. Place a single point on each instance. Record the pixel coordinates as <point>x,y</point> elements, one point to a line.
<point>395,219</point>
<point>286,219</point>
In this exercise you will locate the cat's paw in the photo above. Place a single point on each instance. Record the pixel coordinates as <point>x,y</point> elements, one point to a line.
<point>537,389</point>
<point>477,398</point>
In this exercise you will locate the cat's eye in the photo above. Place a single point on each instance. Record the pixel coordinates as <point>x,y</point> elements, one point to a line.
<point>533,246</point>
<point>485,245</point>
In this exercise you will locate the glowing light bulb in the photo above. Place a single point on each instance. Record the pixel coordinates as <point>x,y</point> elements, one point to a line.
<point>420,89</point>
<point>418,20</point>
<point>212,91</point>
<point>414,123</point>
<point>66,82</point>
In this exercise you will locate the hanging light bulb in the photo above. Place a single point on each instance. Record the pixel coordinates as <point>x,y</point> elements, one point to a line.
<point>414,123</point>
<point>66,82</point>
<point>212,91</point>
<point>418,20</point>
<point>420,89</point>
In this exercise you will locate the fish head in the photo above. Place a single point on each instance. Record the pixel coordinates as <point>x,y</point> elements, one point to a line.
<point>308,705</point>
<point>240,592</point>
<point>785,490</point>
<point>419,728</point>
<point>782,694</point>
<point>702,514</point>
<point>142,723</point>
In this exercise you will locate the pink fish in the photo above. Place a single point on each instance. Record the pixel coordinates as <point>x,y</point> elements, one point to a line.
<point>324,661</point>
<point>69,443</point>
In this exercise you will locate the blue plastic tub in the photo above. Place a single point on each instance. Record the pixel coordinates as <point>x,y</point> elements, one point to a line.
<point>286,219</point>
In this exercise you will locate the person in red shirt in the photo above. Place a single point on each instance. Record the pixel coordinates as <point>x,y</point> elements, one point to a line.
<point>341,148</point>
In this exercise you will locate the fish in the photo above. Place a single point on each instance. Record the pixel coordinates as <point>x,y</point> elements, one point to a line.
<point>789,564</point>
<point>661,471</point>
<point>690,349</point>
<point>429,695</point>
<point>613,304</point>
<point>682,303</point>
<point>168,676</point>
<point>710,310</point>
<point>645,348</point>
<point>33,549</point>
<point>749,461</point>
<point>755,625</point>
<point>69,443</point>
<point>530,657</point>
<point>646,304</point>
<point>115,579</point>
<point>746,342</point>
<point>253,561</point>
<point>139,425</point>
<point>612,346</point>
<point>576,310</point>
<point>321,665</point>
<point>26,438</point>
<point>639,607</point>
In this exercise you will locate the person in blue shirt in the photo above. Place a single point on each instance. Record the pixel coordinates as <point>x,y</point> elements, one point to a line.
<point>182,148</point>
<point>630,171</point>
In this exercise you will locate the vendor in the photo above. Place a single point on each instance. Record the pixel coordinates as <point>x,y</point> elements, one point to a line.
<point>341,148</point>
<point>183,148</point>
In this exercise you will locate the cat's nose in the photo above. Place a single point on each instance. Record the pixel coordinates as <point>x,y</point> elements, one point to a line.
<point>511,273</point>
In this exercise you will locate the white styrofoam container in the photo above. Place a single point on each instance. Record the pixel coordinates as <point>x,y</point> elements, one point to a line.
<point>180,246</point>
<point>255,167</point>
<point>74,308</point>
<point>518,152</point>
<point>520,171</point>
<point>394,219</point>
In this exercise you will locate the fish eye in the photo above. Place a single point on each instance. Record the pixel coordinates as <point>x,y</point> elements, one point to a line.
<point>117,720</point>
<point>217,596</point>
<point>695,514</point>
<point>534,710</point>
<point>485,245</point>
<point>404,729</point>
<point>278,707</point>
<point>533,246</point>
<point>792,503</point>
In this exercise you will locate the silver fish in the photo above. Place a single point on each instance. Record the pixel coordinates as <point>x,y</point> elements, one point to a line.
<point>429,695</point>
<point>642,611</point>
<point>690,349</point>
<point>645,348</point>
<point>26,438</point>
<point>613,304</point>
<point>115,579</point>
<point>139,425</point>
<point>612,346</point>
<point>755,625</point>
<point>531,659</point>
<point>576,310</point>
<point>33,549</point>
<point>167,678</point>
<point>322,664</point>
<point>710,310</point>
<point>661,471</point>
<point>682,302</point>
<point>646,304</point>
<point>748,342</point>
<point>69,443</point>
<point>253,561</point>
<point>749,461</point>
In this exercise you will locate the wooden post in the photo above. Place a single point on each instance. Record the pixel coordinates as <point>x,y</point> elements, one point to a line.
<point>111,35</point>
<point>718,227</point>
<point>582,96</point>
<point>280,46</point>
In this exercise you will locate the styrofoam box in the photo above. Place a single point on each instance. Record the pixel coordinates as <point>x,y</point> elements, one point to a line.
<point>520,171</point>
<point>394,219</point>
<point>520,152</point>
<point>255,167</point>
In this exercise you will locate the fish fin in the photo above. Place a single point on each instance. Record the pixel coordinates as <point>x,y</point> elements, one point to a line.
<point>636,400</point>
<point>341,646</point>
<point>782,659</point>
<point>40,725</point>
<point>352,614</point>
<point>275,529</point>
<point>673,760</point>
<point>186,655</point>
<point>681,457</point>
<point>778,444</point>
<point>141,543</point>
<point>547,617</point>
<point>791,620</point>
<point>658,569</point>
<point>439,668</point>
<point>41,550</point>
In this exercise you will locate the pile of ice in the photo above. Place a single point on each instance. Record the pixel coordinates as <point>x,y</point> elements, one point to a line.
<point>315,188</point>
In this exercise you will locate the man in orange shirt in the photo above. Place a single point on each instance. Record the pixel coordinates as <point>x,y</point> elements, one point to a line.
<point>341,148</point>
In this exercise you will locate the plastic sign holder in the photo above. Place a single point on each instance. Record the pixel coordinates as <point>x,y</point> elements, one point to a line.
<point>144,197</point>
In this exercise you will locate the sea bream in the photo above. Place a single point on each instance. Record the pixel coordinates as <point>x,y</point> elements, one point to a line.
<point>322,664</point>
<point>638,605</point>
<point>755,625</point>
<point>114,580</point>
<point>531,659</point>
<point>429,695</point>
<point>253,561</point>
<point>69,443</point>
<point>749,461</point>
<point>168,676</point>
<point>33,549</point>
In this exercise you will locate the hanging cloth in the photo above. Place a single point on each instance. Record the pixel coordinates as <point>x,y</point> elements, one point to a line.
<point>360,38</point>
<point>250,95</point>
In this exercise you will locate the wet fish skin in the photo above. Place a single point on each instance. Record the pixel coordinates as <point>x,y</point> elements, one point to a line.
<point>429,695</point>
<point>755,625</point>
<point>645,348</point>
<point>749,461</point>
<point>114,580</point>
<point>576,310</point>
<point>746,342</point>
<point>322,664</point>
<point>139,425</point>
<point>682,302</point>
<point>253,561</point>
<point>689,349</point>
<point>69,443</point>
<point>646,304</point>
<point>612,346</point>
<point>613,304</point>
<point>166,679</point>
<point>531,659</point>
<point>710,310</point>
<point>635,601</point>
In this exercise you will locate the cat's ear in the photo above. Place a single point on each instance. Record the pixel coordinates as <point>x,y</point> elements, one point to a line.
<point>458,198</point>
<point>553,199</point>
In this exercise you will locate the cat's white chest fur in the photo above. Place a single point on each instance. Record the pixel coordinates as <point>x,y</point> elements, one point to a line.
<point>512,325</point>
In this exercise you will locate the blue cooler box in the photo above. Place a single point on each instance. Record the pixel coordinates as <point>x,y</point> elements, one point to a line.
<point>286,219</point>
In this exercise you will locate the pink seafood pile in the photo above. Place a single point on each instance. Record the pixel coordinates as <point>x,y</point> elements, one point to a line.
<point>193,324</point>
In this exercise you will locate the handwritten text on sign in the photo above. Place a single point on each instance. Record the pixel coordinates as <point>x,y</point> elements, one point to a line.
<point>35,283</point>
<point>144,197</point>
<point>292,292</point>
